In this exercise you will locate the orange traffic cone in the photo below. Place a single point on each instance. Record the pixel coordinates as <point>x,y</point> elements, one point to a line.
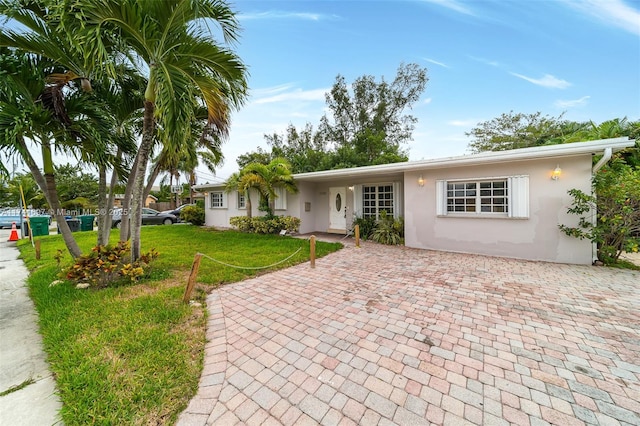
<point>14,233</point>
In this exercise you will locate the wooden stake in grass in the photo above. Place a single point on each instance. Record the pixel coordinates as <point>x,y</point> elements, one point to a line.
<point>192,278</point>
<point>37,249</point>
<point>357,231</point>
<point>312,250</point>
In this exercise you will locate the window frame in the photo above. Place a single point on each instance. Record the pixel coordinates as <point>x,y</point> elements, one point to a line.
<point>241,201</point>
<point>390,201</point>
<point>280,201</point>
<point>471,196</point>
<point>516,197</point>
<point>222,199</point>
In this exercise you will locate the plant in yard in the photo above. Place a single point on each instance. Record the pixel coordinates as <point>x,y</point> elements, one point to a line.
<point>187,67</point>
<point>611,218</point>
<point>134,354</point>
<point>264,178</point>
<point>265,224</point>
<point>367,225</point>
<point>193,214</point>
<point>388,230</point>
<point>107,265</point>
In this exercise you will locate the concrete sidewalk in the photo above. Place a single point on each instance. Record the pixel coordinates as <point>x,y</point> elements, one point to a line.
<point>22,358</point>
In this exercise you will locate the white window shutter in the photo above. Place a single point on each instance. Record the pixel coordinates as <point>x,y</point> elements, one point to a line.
<point>397,199</point>
<point>357,200</point>
<point>441,197</point>
<point>518,187</point>
<point>280,203</point>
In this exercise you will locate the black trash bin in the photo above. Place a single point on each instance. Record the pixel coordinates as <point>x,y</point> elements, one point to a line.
<point>74,224</point>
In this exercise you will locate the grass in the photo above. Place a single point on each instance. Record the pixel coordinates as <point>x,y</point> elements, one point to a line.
<point>16,388</point>
<point>624,264</point>
<point>133,354</point>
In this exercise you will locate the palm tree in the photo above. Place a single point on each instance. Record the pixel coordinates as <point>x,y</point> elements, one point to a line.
<point>43,103</point>
<point>123,102</point>
<point>185,158</point>
<point>33,111</point>
<point>243,181</point>
<point>264,178</point>
<point>184,64</point>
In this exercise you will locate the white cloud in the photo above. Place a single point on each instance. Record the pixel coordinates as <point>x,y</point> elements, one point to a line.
<point>427,101</point>
<point>572,103</point>
<point>436,62</point>
<point>547,81</point>
<point>613,12</point>
<point>453,5</point>
<point>485,61</point>
<point>293,95</point>
<point>462,123</point>
<point>274,14</point>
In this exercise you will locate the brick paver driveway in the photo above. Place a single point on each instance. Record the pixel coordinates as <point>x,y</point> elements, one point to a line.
<point>390,335</point>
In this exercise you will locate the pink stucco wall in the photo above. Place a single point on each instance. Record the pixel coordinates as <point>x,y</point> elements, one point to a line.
<point>535,238</point>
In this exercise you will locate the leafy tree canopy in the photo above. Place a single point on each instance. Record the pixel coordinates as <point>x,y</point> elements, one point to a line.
<point>367,124</point>
<point>73,183</point>
<point>10,195</point>
<point>519,130</point>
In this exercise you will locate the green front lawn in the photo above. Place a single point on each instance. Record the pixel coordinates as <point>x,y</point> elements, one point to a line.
<point>133,354</point>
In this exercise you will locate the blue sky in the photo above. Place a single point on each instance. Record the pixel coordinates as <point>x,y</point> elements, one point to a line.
<point>484,58</point>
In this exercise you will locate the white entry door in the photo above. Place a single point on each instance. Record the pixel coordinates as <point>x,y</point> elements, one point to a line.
<point>337,210</point>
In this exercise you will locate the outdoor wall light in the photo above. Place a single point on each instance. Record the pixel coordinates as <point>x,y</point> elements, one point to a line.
<point>351,188</point>
<point>555,175</point>
<point>421,181</point>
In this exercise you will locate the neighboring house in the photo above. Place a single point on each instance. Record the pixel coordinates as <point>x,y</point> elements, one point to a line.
<point>118,198</point>
<point>506,203</point>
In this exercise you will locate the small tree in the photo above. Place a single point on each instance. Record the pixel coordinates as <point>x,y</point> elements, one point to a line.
<point>617,225</point>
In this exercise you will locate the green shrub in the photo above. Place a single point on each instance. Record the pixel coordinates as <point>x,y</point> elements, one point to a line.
<point>107,265</point>
<point>193,215</point>
<point>616,206</point>
<point>265,224</point>
<point>367,225</point>
<point>242,223</point>
<point>388,230</point>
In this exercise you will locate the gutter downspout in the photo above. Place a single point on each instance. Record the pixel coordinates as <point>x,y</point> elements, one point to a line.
<point>606,156</point>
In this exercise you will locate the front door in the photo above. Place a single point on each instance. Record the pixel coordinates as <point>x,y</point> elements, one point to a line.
<point>337,210</point>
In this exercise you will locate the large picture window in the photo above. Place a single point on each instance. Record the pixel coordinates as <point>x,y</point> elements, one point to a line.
<point>478,197</point>
<point>377,198</point>
<point>497,197</point>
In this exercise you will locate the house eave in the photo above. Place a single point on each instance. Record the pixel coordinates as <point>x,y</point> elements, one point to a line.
<point>523,154</point>
<point>548,151</point>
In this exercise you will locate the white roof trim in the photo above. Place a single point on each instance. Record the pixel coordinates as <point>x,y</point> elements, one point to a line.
<point>538,152</point>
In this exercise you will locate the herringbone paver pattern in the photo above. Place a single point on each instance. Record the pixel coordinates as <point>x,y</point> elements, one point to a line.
<point>389,335</point>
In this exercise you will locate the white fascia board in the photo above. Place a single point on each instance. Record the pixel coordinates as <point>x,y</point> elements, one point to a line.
<point>208,187</point>
<point>539,152</point>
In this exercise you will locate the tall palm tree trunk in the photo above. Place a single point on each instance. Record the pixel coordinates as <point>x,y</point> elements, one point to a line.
<point>47,183</point>
<point>102,205</point>
<point>105,219</point>
<point>125,226</point>
<point>155,172</point>
<point>52,197</point>
<point>144,151</point>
